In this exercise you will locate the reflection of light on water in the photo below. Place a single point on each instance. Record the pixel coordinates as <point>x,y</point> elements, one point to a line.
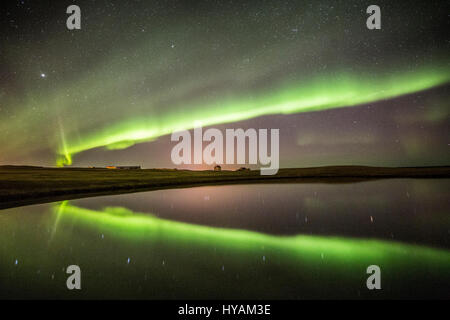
<point>125,224</point>
<point>58,214</point>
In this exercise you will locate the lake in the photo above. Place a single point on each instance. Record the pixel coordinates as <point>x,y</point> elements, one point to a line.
<point>255,241</point>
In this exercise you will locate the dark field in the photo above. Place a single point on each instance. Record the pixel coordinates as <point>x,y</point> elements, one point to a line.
<point>29,185</point>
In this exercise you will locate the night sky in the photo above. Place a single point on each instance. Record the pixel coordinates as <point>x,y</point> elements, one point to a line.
<point>114,91</point>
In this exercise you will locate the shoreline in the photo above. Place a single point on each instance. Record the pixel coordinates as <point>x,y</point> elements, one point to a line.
<point>21,186</point>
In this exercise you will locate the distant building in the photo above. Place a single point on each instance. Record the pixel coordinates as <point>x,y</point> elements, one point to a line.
<point>124,167</point>
<point>217,168</point>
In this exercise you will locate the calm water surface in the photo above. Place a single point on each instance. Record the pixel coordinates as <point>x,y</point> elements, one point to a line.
<point>281,241</point>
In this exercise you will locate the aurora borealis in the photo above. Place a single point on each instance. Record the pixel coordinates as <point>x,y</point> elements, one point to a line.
<point>340,92</point>
<point>113,91</point>
<point>357,122</point>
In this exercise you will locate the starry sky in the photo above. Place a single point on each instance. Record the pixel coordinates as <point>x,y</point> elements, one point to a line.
<point>114,91</point>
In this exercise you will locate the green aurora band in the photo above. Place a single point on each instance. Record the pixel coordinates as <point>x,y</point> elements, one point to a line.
<point>340,89</point>
<point>338,251</point>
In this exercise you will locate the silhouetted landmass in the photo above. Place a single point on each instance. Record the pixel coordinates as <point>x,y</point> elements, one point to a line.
<point>23,185</point>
